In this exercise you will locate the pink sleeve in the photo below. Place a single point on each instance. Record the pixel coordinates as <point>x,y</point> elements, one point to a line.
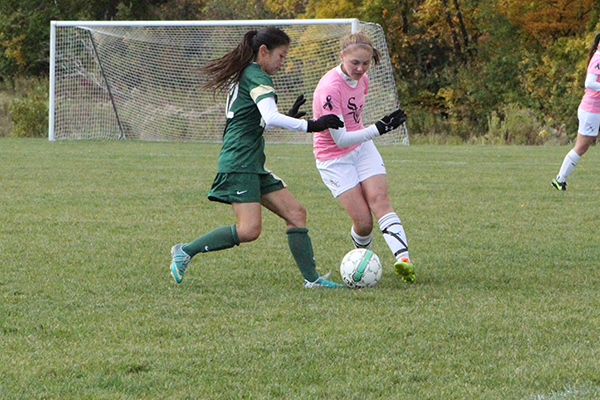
<point>329,101</point>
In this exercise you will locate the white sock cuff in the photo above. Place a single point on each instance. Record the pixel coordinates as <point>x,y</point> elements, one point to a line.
<point>573,156</point>
<point>388,220</point>
<point>365,242</point>
<point>360,239</point>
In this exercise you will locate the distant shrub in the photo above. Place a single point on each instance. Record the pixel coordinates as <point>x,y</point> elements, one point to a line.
<point>29,113</point>
<point>5,121</point>
<point>427,123</point>
<point>522,127</point>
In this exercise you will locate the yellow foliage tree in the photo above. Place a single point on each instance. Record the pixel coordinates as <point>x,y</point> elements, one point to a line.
<point>547,20</point>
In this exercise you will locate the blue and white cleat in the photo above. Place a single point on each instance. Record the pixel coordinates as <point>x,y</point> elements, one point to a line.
<point>179,262</point>
<point>322,282</point>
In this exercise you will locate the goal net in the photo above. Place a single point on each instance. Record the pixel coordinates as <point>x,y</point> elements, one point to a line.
<point>142,80</point>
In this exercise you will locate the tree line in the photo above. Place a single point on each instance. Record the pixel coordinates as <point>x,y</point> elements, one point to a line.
<point>495,70</point>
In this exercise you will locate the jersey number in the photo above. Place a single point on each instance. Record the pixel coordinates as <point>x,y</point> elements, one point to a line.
<point>233,92</point>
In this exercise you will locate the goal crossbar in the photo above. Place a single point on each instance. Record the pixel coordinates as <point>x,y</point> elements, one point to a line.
<point>238,22</point>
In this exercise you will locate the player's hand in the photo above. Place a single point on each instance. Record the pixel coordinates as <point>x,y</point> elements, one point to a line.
<point>325,122</point>
<point>391,121</point>
<point>294,111</point>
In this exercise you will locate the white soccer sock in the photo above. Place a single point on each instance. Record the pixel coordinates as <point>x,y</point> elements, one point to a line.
<point>361,242</point>
<point>570,161</point>
<point>393,233</point>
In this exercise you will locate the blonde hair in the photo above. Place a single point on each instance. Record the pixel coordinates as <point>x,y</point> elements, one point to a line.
<point>360,39</point>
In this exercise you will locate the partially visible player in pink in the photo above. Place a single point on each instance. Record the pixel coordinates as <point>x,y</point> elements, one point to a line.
<point>350,165</point>
<point>589,117</point>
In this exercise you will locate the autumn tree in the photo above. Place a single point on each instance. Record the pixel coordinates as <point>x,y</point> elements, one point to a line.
<point>25,27</point>
<point>548,20</point>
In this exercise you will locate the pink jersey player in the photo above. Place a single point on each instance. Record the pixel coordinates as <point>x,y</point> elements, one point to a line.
<point>588,114</point>
<point>347,159</point>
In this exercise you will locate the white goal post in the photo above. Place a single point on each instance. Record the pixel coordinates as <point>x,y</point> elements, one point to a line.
<point>142,79</point>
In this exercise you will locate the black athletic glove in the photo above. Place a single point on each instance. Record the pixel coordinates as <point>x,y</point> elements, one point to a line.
<point>391,121</point>
<point>294,110</point>
<point>325,122</point>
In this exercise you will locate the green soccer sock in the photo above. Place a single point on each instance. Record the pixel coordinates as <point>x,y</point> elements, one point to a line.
<point>223,237</point>
<point>302,250</point>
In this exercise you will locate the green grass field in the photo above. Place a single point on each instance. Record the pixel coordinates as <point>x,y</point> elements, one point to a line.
<point>506,303</point>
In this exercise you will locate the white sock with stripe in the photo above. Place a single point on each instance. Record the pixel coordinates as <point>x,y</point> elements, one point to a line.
<point>393,233</point>
<point>361,242</point>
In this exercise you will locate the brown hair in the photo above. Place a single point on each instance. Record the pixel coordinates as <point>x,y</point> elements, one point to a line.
<point>594,48</point>
<point>224,71</point>
<point>360,39</point>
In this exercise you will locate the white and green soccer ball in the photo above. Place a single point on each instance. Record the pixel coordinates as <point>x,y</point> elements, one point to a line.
<point>360,268</point>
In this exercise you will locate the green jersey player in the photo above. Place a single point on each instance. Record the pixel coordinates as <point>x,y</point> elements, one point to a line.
<point>242,179</point>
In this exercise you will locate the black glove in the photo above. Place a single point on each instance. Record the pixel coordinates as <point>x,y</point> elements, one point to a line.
<point>325,122</point>
<point>294,110</point>
<point>391,121</point>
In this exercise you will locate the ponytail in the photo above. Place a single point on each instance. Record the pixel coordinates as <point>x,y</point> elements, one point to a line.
<point>227,70</point>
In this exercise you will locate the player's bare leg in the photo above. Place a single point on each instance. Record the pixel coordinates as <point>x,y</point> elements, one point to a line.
<point>355,204</point>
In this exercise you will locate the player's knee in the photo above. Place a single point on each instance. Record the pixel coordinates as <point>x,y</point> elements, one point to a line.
<point>297,216</point>
<point>248,233</point>
<point>379,200</point>
<point>581,149</point>
<point>380,204</point>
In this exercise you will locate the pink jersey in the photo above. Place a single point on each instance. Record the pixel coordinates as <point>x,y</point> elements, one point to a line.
<point>591,99</point>
<point>335,95</point>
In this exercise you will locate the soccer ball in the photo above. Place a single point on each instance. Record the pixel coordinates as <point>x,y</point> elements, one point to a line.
<point>360,268</point>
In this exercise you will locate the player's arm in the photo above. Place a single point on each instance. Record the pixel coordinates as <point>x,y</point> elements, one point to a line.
<point>342,138</point>
<point>272,116</point>
<point>591,82</point>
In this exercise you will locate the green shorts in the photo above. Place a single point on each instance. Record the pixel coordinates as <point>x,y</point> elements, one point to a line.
<point>232,187</point>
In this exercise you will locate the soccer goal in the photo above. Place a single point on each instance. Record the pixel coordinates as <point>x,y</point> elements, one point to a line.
<point>141,80</point>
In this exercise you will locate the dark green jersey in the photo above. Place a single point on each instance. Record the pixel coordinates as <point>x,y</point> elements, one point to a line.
<point>243,143</point>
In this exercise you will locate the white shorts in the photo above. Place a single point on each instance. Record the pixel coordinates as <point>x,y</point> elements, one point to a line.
<point>589,123</point>
<point>345,172</point>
